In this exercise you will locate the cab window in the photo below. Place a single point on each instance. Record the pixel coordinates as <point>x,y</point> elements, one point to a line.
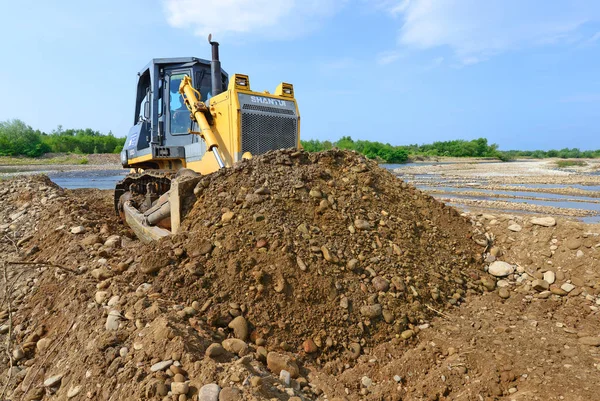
<point>179,114</point>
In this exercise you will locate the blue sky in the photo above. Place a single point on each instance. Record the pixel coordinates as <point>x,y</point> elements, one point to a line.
<point>523,73</point>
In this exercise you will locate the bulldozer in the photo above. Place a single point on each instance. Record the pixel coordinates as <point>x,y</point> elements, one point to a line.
<point>191,119</point>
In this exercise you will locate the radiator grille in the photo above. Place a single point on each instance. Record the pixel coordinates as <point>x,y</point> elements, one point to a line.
<point>268,109</point>
<point>263,132</point>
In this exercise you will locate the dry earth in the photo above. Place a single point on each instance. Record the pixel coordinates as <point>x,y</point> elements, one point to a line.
<point>324,266</point>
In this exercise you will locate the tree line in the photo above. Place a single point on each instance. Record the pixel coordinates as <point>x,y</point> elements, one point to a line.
<point>19,139</point>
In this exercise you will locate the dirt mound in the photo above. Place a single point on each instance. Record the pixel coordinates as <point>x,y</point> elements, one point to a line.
<point>323,249</point>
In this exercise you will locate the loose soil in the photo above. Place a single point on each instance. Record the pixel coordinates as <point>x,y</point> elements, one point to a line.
<point>359,285</point>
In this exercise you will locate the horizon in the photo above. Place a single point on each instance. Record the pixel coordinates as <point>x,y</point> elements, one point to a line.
<point>523,76</point>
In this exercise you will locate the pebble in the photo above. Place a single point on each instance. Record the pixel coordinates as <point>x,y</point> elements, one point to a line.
<point>43,344</point>
<point>123,351</point>
<point>227,217</point>
<point>73,391</point>
<point>371,311</point>
<point>567,287</point>
<point>544,221</point>
<point>309,346</point>
<point>277,362</point>
<point>214,350</point>
<point>406,334</point>
<point>504,293</point>
<point>53,381</point>
<point>209,392</point>
<point>579,253</point>
<point>77,230</point>
<point>112,320</point>
<point>515,227</point>
<point>301,264</point>
<point>236,346</point>
<point>285,378</point>
<point>239,325</point>
<point>360,224</point>
<point>366,381</point>
<point>100,297</point>
<point>573,243</point>
<point>501,269</point>
<point>180,387</point>
<point>549,277</point>
<point>161,365</point>
<point>230,394</point>
<point>380,284</point>
<point>540,285</point>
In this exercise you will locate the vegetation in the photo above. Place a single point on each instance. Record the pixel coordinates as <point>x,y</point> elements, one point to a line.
<point>19,139</point>
<point>48,158</point>
<point>570,163</point>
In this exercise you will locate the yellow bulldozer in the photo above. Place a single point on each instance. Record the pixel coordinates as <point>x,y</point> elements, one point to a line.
<point>191,119</point>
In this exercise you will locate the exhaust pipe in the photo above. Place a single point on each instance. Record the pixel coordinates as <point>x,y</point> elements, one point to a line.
<point>215,68</point>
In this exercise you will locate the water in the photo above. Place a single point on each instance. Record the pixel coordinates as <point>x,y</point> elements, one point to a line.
<point>101,179</point>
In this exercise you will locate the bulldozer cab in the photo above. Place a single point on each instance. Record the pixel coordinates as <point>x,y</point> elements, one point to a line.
<point>161,116</point>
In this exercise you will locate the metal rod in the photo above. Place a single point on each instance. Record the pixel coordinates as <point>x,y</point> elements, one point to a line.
<point>215,151</point>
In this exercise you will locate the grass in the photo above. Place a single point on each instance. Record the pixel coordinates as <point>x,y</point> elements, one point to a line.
<point>571,163</point>
<point>69,158</point>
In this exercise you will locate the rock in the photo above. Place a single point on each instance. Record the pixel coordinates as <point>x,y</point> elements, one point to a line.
<point>227,216</point>
<point>567,287</point>
<point>309,346</point>
<point>112,320</point>
<point>214,350</point>
<point>230,394</point>
<point>235,346</point>
<point>540,285</point>
<point>277,362</point>
<point>371,311</point>
<point>114,300</point>
<point>406,334</point>
<point>77,230</point>
<point>157,367</point>
<point>301,264</point>
<point>73,391</point>
<point>544,221</point>
<point>101,273</point>
<point>504,293</point>
<point>53,381</point>
<point>315,193</point>
<point>579,253</point>
<point>380,284</point>
<point>91,240</point>
<point>573,243</point>
<point>100,297</point>
<point>209,392</point>
<point>113,241</point>
<point>326,254</point>
<point>256,381</point>
<point>360,224</point>
<point>344,303</point>
<point>180,388</point>
<point>591,341</point>
<point>557,291</point>
<point>284,377</point>
<point>240,328</point>
<point>489,283</point>
<point>549,277</point>
<point>515,227</point>
<point>18,354</point>
<point>123,351</point>
<point>501,269</point>
<point>366,381</point>
<point>43,344</point>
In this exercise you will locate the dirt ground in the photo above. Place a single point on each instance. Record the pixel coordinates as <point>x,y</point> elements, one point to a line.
<point>323,266</point>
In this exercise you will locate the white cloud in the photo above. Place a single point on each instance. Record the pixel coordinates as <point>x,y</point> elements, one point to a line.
<point>476,30</point>
<point>388,57</point>
<point>273,19</point>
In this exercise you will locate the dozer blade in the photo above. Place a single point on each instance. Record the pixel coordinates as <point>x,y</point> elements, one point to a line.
<point>135,220</point>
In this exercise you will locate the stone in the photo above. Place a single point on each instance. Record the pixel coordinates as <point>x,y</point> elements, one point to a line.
<point>371,311</point>
<point>276,362</point>
<point>113,241</point>
<point>227,217</point>
<point>344,303</point>
<point>43,344</point>
<point>112,320</point>
<point>91,240</point>
<point>157,367</point>
<point>18,354</point>
<point>101,273</point>
<point>123,351</point>
<point>239,325</point>
<point>114,300</point>
<point>284,377</point>
<point>406,334</point>
<point>557,291</point>
<point>100,297</point>
<point>256,381</point>
<point>360,224</point>
<point>540,285</point>
<point>591,341</point>
<point>366,381</point>
<point>73,391</point>
<point>235,346</point>
<point>309,346</point>
<point>501,269</point>
<point>230,394</point>
<point>326,254</point>
<point>489,283</point>
<point>77,230</point>
<point>567,287</point>
<point>209,392</point>
<point>544,221</point>
<point>504,293</point>
<point>579,253</point>
<point>515,228</point>
<point>301,264</point>
<point>180,388</point>
<point>315,193</point>
<point>53,381</point>
<point>573,243</point>
<point>549,277</point>
<point>214,350</point>
<point>380,284</point>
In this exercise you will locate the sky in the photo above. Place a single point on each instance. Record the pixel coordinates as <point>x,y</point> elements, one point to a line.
<point>523,73</point>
